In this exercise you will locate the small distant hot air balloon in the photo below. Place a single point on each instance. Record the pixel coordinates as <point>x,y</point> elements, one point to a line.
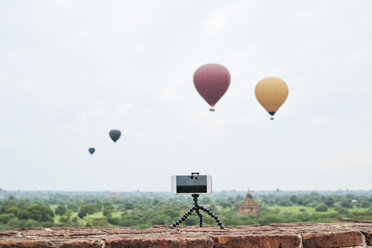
<point>115,134</point>
<point>271,92</point>
<point>212,81</point>
<point>91,150</point>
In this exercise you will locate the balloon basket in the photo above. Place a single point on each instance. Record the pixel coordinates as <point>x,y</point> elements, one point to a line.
<point>272,118</point>
<point>211,109</point>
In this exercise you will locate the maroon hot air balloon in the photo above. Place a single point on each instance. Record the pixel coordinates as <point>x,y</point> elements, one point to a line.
<point>212,81</point>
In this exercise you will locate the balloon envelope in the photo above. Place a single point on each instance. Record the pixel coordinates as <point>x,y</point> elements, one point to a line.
<point>115,134</point>
<point>91,150</point>
<point>271,92</point>
<point>212,81</point>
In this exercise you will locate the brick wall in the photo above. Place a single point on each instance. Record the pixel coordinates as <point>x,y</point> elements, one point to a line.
<point>300,235</point>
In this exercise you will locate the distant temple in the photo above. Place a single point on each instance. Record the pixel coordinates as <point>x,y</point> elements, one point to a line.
<point>113,195</point>
<point>248,206</point>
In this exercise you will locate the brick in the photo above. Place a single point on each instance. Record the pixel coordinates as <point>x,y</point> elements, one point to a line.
<point>25,244</point>
<point>368,235</point>
<point>155,242</point>
<point>199,243</point>
<point>273,236</point>
<point>9,232</point>
<point>61,232</point>
<point>136,242</point>
<point>82,244</point>
<point>257,241</point>
<point>334,239</point>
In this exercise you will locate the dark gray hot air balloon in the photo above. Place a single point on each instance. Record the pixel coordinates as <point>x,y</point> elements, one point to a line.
<point>115,134</point>
<point>91,150</point>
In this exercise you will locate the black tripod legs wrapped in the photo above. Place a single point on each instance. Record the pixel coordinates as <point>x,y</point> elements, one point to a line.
<point>182,219</point>
<point>200,217</point>
<point>213,216</point>
<point>197,209</point>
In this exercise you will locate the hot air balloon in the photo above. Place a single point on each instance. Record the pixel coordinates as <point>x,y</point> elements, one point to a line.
<point>115,134</point>
<point>212,81</point>
<point>271,92</point>
<point>91,150</point>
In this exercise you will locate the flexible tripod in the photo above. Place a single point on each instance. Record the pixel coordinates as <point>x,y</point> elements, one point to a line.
<point>197,209</point>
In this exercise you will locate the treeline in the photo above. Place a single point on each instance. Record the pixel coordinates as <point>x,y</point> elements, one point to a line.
<point>25,213</point>
<point>321,202</point>
<point>145,211</point>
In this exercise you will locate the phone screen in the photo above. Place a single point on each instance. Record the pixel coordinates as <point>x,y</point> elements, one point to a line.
<point>191,184</point>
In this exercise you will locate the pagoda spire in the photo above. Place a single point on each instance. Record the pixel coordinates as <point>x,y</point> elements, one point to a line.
<point>249,194</point>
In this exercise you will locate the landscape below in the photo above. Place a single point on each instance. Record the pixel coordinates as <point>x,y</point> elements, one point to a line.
<point>20,209</point>
<point>141,219</point>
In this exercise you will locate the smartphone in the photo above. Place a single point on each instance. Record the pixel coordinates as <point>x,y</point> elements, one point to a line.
<point>192,184</point>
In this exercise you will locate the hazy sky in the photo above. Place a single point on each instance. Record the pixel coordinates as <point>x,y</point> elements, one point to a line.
<point>72,70</point>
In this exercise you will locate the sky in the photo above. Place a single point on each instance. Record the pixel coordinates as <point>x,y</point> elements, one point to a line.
<point>72,70</point>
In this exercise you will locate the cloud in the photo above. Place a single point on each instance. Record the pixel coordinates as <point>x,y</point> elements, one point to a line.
<point>349,159</point>
<point>122,110</point>
<point>217,22</point>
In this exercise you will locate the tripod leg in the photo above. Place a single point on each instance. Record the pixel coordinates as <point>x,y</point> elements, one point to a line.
<point>200,216</point>
<point>183,218</point>
<point>212,215</point>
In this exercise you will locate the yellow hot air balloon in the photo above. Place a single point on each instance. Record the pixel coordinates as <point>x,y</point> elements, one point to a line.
<point>271,92</point>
